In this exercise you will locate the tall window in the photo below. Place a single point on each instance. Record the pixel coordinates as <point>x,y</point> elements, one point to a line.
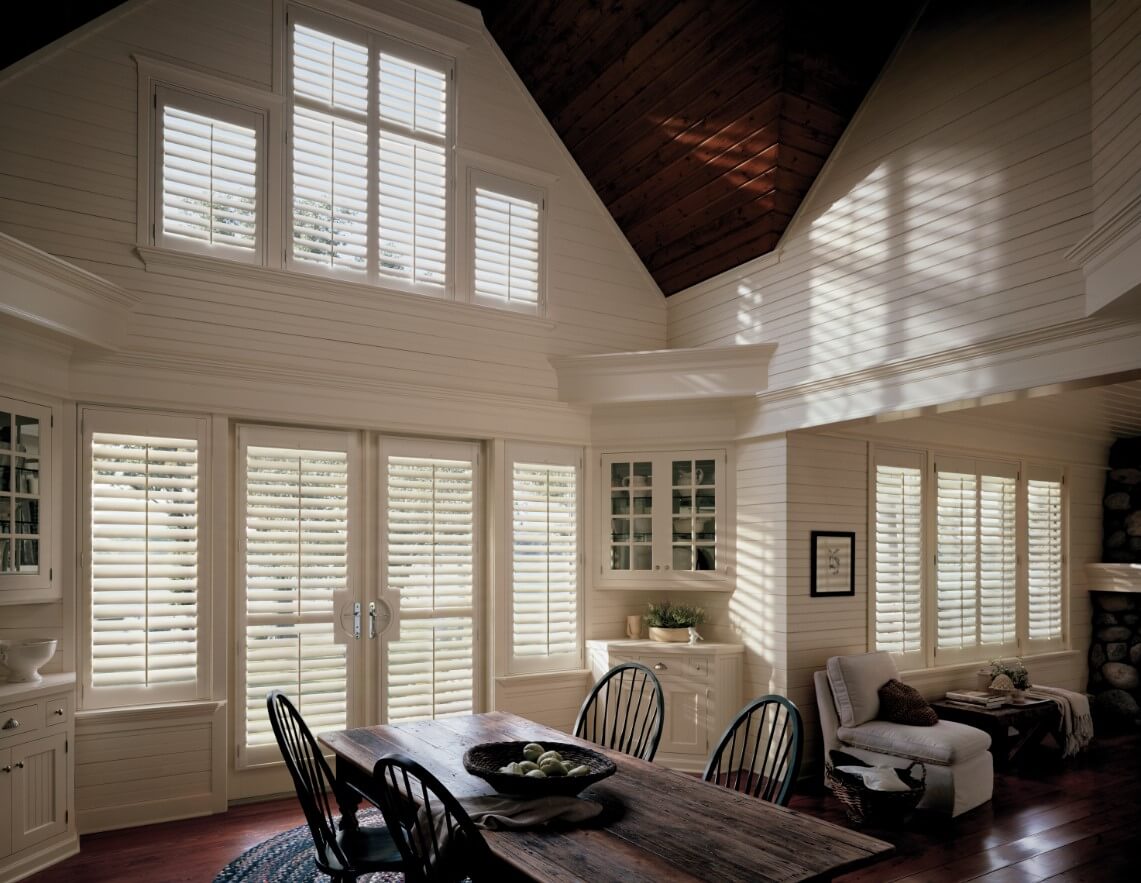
<point>371,155</point>
<point>208,197</point>
<point>145,558</point>
<point>430,558</point>
<point>507,242</point>
<point>294,554</point>
<point>898,553</point>
<point>545,609</point>
<point>993,581</point>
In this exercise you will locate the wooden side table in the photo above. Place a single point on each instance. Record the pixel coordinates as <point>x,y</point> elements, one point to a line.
<point>1012,728</point>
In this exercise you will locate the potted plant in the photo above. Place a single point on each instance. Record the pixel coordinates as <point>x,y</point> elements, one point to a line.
<point>672,622</point>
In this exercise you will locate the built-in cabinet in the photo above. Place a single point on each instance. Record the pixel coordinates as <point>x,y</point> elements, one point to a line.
<point>37,730</point>
<point>25,502</point>
<point>664,520</point>
<point>702,689</point>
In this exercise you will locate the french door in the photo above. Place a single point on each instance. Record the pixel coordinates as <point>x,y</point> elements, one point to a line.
<point>358,583</point>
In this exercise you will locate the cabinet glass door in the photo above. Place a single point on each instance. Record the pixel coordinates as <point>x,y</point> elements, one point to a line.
<point>694,501</point>
<point>20,488</point>
<point>631,515</point>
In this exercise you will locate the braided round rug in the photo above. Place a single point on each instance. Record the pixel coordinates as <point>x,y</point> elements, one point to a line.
<point>288,858</point>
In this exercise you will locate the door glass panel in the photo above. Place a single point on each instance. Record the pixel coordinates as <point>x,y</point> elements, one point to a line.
<point>19,493</point>
<point>694,504</point>
<point>5,431</point>
<point>631,515</point>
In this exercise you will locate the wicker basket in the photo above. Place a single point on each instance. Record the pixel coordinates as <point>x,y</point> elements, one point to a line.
<point>485,760</point>
<point>882,809</point>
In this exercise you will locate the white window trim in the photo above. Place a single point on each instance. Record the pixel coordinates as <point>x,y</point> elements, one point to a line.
<point>554,455</point>
<point>143,423</point>
<point>477,177</point>
<point>212,96</point>
<point>374,40</point>
<point>1023,469</point>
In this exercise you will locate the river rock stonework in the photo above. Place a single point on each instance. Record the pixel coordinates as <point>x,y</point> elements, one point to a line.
<point>1121,503</point>
<point>1115,659</point>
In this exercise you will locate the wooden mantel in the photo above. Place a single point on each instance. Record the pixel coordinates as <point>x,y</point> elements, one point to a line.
<point>664,375</point>
<point>1114,577</point>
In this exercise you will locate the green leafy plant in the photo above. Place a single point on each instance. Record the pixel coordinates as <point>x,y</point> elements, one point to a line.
<point>673,616</point>
<point>1014,670</point>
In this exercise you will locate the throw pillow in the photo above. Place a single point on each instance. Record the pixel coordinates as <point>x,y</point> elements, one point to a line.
<point>902,704</point>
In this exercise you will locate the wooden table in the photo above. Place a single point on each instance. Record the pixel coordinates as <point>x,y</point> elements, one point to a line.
<point>1029,723</point>
<point>673,827</point>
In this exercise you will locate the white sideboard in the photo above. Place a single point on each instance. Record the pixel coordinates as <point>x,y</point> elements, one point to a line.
<point>37,734</point>
<point>702,686</point>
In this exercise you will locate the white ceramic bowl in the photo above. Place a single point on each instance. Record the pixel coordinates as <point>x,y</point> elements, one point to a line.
<point>25,658</point>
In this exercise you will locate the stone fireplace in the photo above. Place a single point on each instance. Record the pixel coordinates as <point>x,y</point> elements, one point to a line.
<point>1115,593</point>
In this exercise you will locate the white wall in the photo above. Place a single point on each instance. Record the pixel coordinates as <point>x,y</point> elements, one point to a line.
<point>941,222</point>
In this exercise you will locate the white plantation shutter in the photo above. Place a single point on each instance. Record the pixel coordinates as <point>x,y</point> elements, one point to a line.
<point>898,551</point>
<point>144,561</point>
<point>429,557</point>
<point>330,150</point>
<point>976,572</point>
<point>413,174</point>
<point>506,249</point>
<point>1045,555</point>
<point>208,195</point>
<point>295,565</point>
<point>544,602</point>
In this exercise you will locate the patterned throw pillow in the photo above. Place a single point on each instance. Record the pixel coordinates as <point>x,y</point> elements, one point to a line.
<point>902,704</point>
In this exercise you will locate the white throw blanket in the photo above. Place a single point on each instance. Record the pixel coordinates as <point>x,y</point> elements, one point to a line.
<point>1075,730</point>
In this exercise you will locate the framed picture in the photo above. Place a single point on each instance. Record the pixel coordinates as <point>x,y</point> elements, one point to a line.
<point>833,563</point>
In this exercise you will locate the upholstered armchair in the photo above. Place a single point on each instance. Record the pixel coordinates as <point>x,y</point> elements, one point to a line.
<point>960,771</point>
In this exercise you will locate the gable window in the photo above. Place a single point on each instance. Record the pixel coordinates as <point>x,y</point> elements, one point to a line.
<point>507,219</point>
<point>144,558</point>
<point>992,581</point>
<point>208,197</point>
<point>370,156</point>
<point>544,608</point>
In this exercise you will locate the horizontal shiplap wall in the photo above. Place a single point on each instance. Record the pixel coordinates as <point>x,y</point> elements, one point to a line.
<point>141,766</point>
<point>553,700</point>
<point>944,216</point>
<point>1116,84</point>
<point>68,182</point>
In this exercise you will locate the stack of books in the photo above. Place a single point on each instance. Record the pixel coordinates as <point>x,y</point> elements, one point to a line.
<point>980,698</point>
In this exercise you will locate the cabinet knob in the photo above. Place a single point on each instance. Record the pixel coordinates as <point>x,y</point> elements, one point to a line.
<point>6,769</point>
<point>10,724</point>
<point>657,567</point>
<point>19,765</point>
<point>59,711</point>
<point>659,666</point>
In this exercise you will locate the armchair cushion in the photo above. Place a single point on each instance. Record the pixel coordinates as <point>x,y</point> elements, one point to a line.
<point>855,682</point>
<point>945,743</point>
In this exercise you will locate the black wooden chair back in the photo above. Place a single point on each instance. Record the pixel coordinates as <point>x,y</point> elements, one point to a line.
<point>437,838</point>
<point>759,754</point>
<point>313,781</point>
<point>625,711</point>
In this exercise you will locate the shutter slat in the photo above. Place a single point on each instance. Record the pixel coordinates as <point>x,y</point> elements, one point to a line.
<point>898,559</point>
<point>506,247</point>
<point>1045,576</point>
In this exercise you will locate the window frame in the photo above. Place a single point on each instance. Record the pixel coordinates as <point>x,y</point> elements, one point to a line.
<point>165,95</point>
<point>478,178</point>
<point>550,455</point>
<point>161,425</point>
<point>375,41</point>
<point>1022,469</point>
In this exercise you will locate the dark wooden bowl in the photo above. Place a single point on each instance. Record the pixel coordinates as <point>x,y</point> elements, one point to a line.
<point>485,760</point>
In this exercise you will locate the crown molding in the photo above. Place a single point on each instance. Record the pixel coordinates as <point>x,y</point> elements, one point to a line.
<point>59,296</point>
<point>664,375</point>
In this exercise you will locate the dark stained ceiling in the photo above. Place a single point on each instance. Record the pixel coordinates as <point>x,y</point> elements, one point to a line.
<point>700,123</point>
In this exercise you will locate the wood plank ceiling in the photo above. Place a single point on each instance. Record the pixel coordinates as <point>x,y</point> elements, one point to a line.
<point>700,123</point>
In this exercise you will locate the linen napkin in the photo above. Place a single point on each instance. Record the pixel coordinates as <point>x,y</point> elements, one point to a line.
<point>497,813</point>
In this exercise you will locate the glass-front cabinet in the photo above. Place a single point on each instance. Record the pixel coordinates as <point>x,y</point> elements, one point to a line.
<point>25,500</point>
<point>663,519</point>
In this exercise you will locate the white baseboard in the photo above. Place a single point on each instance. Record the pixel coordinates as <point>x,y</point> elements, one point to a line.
<point>38,859</point>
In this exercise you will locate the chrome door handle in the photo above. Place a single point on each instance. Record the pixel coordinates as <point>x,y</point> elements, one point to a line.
<point>372,619</point>
<point>11,724</point>
<point>357,620</point>
<point>659,666</point>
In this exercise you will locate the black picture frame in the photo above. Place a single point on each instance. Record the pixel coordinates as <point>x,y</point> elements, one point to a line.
<point>833,563</point>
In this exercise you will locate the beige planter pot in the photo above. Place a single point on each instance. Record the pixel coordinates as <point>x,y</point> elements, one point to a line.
<point>673,636</point>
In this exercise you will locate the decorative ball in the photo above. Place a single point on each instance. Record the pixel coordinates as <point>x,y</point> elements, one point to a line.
<point>1002,682</point>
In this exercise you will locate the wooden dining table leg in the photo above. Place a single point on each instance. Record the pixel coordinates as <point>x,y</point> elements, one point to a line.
<point>349,796</point>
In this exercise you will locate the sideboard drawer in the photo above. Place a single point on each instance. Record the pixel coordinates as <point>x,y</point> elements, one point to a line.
<point>691,667</point>
<point>58,710</point>
<point>19,720</point>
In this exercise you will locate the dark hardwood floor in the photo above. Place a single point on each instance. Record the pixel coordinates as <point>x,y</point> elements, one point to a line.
<point>1048,821</point>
